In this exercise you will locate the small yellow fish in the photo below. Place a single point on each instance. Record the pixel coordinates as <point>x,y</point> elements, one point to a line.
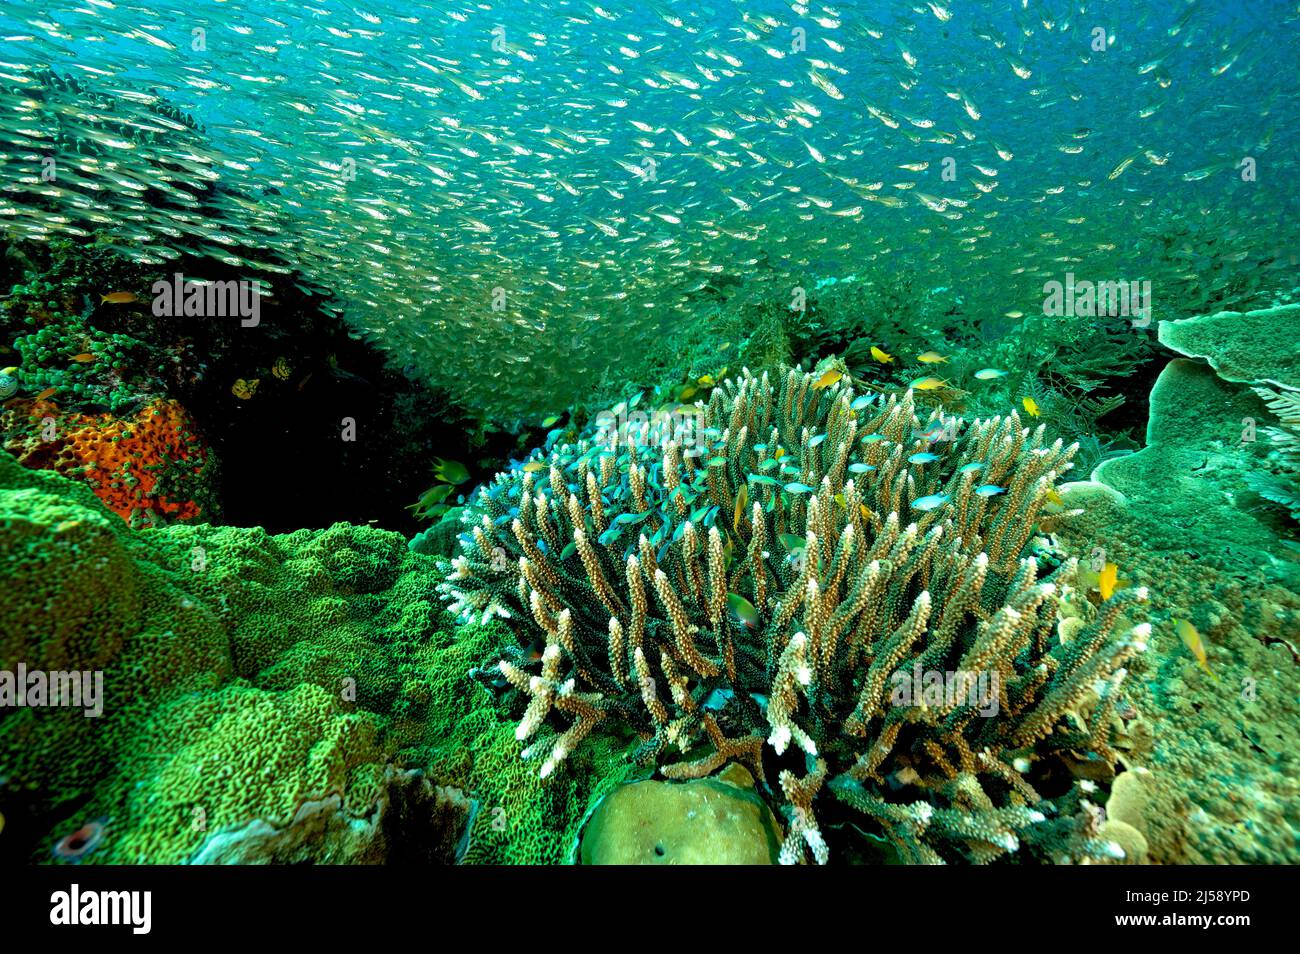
<point>533,466</point>
<point>688,392</point>
<point>827,379</point>
<point>706,381</point>
<point>84,358</point>
<point>47,393</point>
<point>1031,406</point>
<point>1108,581</point>
<point>929,384</point>
<point>930,357</point>
<point>1054,498</point>
<point>281,369</point>
<point>244,390</point>
<point>880,355</point>
<point>866,513</point>
<point>118,298</point>
<point>1192,640</point>
<point>742,498</point>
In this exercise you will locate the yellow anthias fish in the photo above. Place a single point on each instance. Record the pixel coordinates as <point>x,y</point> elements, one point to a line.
<point>1031,406</point>
<point>533,466</point>
<point>118,298</point>
<point>281,369</point>
<point>930,357</point>
<point>742,498</point>
<point>244,390</point>
<point>1108,581</point>
<point>880,355</point>
<point>1192,640</point>
<point>929,384</point>
<point>827,379</point>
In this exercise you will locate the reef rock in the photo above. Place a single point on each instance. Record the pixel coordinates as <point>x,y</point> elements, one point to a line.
<point>708,821</point>
<point>1180,517</point>
<point>412,822</point>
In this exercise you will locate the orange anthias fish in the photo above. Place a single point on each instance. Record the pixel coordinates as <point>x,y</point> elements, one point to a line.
<point>827,379</point>
<point>1107,580</point>
<point>47,393</point>
<point>118,298</point>
<point>84,358</point>
<point>1192,640</point>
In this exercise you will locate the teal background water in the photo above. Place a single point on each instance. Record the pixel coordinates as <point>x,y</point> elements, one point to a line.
<point>513,168</point>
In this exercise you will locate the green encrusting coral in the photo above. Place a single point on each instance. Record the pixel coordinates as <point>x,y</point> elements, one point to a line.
<point>248,679</point>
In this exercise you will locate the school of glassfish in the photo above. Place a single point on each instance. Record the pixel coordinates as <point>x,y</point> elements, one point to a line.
<point>522,195</point>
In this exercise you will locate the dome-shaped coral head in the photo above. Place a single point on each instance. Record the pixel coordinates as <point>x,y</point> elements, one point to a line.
<point>71,849</point>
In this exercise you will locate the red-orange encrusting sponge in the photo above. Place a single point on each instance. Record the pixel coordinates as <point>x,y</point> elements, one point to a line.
<point>148,463</point>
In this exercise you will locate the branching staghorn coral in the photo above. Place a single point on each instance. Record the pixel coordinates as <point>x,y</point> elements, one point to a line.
<point>763,579</point>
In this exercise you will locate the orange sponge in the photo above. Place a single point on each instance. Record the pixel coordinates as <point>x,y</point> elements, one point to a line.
<point>152,462</point>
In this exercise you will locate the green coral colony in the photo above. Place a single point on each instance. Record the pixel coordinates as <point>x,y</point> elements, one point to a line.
<point>675,468</point>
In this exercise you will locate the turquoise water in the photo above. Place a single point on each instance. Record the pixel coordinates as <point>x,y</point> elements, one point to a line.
<point>633,391</point>
<point>528,194</point>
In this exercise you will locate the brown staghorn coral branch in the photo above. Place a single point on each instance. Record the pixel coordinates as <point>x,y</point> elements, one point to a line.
<point>803,830</point>
<point>819,604</point>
